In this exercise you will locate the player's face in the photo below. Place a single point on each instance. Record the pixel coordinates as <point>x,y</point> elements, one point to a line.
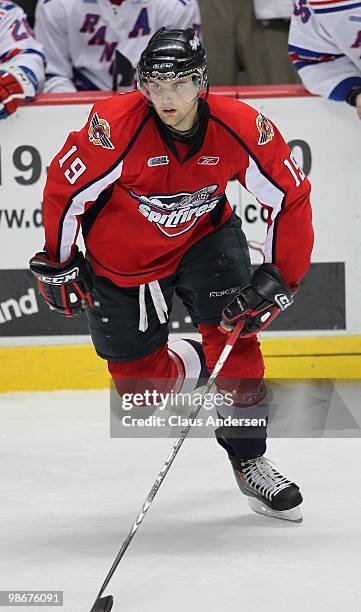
<point>175,101</point>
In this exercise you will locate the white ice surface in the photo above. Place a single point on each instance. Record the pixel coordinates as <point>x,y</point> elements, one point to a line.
<point>69,495</point>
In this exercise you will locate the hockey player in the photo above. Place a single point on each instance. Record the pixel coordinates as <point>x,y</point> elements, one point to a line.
<point>85,41</point>
<point>325,47</point>
<point>22,61</point>
<point>145,181</point>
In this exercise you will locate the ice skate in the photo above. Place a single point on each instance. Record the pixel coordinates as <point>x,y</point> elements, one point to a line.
<point>269,492</point>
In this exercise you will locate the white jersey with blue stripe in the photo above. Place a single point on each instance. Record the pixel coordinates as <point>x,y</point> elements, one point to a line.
<point>18,47</point>
<point>80,38</point>
<point>325,46</point>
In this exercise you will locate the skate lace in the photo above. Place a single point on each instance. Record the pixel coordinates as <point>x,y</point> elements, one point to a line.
<point>263,477</point>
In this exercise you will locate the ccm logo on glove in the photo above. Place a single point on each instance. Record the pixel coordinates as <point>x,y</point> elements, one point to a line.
<point>61,280</point>
<point>65,286</point>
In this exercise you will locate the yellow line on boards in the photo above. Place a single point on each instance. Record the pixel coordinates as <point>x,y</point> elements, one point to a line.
<point>43,368</point>
<point>312,345</point>
<point>47,368</point>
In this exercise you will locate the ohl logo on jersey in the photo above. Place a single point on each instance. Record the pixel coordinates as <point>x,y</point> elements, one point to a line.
<point>99,132</point>
<point>175,214</point>
<point>265,129</point>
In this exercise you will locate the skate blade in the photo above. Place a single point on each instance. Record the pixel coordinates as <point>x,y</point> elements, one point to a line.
<point>294,515</point>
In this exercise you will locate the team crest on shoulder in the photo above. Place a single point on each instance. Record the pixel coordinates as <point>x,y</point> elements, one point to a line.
<point>265,129</point>
<point>99,132</point>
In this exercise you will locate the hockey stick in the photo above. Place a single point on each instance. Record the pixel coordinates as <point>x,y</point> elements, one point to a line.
<point>105,604</point>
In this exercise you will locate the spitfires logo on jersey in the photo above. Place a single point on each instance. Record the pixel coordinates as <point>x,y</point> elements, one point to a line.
<point>265,129</point>
<point>99,132</point>
<point>175,214</point>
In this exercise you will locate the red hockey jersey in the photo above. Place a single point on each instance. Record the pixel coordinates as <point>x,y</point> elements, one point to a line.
<point>142,205</point>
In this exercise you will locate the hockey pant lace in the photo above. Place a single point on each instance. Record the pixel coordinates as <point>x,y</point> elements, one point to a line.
<point>159,302</point>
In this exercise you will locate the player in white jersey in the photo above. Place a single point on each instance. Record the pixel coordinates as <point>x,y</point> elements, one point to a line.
<point>81,38</point>
<point>22,61</point>
<point>325,47</point>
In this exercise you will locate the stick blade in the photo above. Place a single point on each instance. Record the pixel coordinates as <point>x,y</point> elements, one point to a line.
<point>103,604</point>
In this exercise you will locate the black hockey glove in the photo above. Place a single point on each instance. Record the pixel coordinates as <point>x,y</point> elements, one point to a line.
<point>64,286</point>
<point>258,303</point>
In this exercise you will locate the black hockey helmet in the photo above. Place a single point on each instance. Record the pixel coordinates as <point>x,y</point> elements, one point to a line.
<point>173,54</point>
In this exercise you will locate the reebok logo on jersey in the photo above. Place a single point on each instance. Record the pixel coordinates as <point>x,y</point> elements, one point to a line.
<point>207,160</point>
<point>175,214</point>
<point>162,160</point>
<point>265,129</point>
<point>99,132</point>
